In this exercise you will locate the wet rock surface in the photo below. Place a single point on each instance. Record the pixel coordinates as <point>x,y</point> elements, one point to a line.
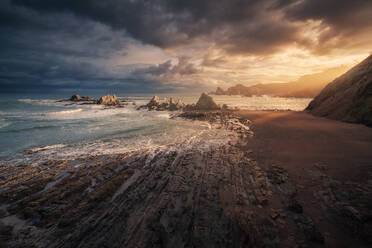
<point>190,197</point>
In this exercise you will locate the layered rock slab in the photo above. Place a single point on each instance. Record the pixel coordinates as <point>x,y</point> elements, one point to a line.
<point>189,197</point>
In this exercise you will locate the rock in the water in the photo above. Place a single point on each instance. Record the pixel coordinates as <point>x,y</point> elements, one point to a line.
<point>153,104</point>
<point>78,98</point>
<point>75,97</point>
<point>180,104</point>
<point>348,97</point>
<point>171,105</point>
<point>172,101</point>
<point>175,105</point>
<point>108,100</point>
<point>219,91</point>
<point>206,102</point>
<point>154,101</point>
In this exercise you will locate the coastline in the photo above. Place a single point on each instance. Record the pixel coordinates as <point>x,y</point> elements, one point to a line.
<point>260,190</point>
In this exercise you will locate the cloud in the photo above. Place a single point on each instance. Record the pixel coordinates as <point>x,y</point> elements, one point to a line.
<point>60,51</point>
<point>341,22</point>
<point>252,27</point>
<point>168,73</point>
<point>159,44</point>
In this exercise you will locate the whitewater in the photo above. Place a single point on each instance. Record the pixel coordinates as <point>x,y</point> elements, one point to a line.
<point>37,129</point>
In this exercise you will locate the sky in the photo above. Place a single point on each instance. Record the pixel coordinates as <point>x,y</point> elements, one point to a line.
<point>139,46</point>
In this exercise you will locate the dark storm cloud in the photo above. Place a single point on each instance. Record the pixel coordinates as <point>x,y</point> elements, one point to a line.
<point>58,51</point>
<point>60,43</point>
<point>250,26</point>
<point>339,14</point>
<point>245,24</point>
<point>166,72</point>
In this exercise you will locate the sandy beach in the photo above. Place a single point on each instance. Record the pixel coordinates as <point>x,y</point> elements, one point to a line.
<point>305,145</point>
<point>298,140</point>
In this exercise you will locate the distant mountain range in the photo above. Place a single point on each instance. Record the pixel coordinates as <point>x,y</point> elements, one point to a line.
<point>307,86</point>
<point>348,97</point>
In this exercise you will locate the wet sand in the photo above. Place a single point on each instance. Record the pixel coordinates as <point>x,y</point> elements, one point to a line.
<point>298,140</point>
<point>316,151</point>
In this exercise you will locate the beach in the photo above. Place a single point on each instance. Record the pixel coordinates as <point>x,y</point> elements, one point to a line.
<point>276,179</point>
<point>321,156</point>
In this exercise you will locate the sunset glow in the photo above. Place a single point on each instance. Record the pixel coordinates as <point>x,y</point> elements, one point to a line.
<point>178,46</point>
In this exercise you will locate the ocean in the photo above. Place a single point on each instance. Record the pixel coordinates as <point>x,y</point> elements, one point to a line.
<point>48,129</point>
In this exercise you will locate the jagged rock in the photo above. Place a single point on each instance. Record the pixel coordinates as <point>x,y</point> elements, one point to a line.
<point>175,105</point>
<point>170,105</point>
<point>154,101</point>
<point>180,104</point>
<point>172,101</point>
<point>108,100</point>
<point>206,102</point>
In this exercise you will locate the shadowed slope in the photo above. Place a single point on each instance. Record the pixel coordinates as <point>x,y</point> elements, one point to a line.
<point>348,97</point>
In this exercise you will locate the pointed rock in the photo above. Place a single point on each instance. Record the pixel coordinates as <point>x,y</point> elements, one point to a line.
<point>206,102</point>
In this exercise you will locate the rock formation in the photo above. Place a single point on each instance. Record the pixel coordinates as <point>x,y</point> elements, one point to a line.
<point>219,91</point>
<point>349,97</point>
<point>206,102</point>
<point>109,100</point>
<point>171,105</point>
<point>75,97</point>
<point>78,98</point>
<point>180,104</point>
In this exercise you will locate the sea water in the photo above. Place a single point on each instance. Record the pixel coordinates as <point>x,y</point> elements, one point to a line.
<point>61,130</point>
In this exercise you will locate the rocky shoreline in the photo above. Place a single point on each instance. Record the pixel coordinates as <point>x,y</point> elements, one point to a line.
<point>186,197</point>
<point>106,100</point>
<point>189,195</point>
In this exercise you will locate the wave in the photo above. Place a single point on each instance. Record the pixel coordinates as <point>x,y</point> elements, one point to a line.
<point>64,112</point>
<point>4,123</point>
<point>165,115</point>
<point>44,148</point>
<point>87,112</point>
<point>39,101</point>
<point>28,129</point>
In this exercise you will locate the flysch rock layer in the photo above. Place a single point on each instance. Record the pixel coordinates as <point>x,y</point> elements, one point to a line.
<point>189,197</point>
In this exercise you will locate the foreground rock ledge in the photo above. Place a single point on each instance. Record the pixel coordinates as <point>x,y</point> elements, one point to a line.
<point>191,197</point>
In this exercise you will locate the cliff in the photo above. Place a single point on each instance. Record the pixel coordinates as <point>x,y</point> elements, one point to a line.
<point>349,97</point>
<point>307,86</point>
